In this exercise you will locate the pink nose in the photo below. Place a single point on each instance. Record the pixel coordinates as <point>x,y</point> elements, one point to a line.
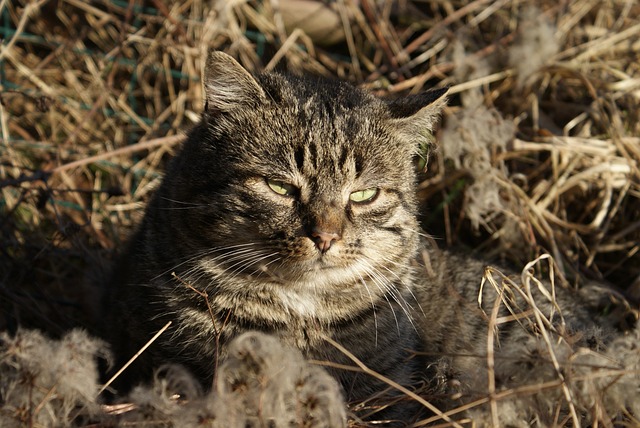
<point>324,240</point>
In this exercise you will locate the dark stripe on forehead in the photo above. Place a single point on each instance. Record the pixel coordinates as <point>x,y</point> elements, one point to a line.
<point>312,153</point>
<point>344,156</point>
<point>298,156</point>
<point>359,162</point>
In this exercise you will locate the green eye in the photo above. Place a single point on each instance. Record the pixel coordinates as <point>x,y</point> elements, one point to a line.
<point>365,195</point>
<point>281,188</point>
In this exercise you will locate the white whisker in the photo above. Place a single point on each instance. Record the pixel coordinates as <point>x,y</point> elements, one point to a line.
<point>191,205</point>
<point>200,255</point>
<point>373,306</point>
<point>384,291</point>
<point>417,231</point>
<point>265,268</point>
<point>392,290</point>
<point>252,260</point>
<point>409,288</point>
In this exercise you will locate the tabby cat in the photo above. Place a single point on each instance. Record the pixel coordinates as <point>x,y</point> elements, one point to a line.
<point>291,210</point>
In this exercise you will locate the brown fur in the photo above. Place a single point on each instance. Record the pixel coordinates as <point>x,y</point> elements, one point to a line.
<point>255,228</point>
<point>303,266</point>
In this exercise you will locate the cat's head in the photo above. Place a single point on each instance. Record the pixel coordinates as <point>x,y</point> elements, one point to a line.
<point>299,178</point>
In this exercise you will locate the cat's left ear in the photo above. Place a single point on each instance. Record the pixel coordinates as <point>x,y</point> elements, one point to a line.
<point>228,86</point>
<point>416,114</point>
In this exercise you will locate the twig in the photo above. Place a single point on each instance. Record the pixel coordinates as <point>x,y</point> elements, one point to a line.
<point>384,44</point>
<point>491,374</point>
<point>526,278</point>
<point>128,363</point>
<point>390,382</point>
<point>26,14</point>
<point>217,331</point>
<point>424,37</point>
<point>146,145</point>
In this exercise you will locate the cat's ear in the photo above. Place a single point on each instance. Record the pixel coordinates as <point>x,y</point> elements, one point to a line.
<point>228,86</point>
<point>416,114</point>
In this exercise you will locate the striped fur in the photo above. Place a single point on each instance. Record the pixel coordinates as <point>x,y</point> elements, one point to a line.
<point>215,228</point>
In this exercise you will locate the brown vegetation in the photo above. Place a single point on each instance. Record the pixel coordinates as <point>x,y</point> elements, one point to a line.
<point>539,150</point>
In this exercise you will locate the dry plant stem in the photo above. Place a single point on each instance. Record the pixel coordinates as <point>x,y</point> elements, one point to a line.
<point>416,83</point>
<point>520,391</point>
<point>425,56</point>
<point>167,14</point>
<point>599,46</point>
<point>146,145</point>
<point>128,363</point>
<point>526,280</point>
<point>390,382</point>
<point>490,354</point>
<point>506,282</point>
<point>105,75</point>
<point>353,52</point>
<point>44,400</point>
<point>96,106</point>
<point>427,35</point>
<point>218,332</point>
<point>481,81</point>
<point>289,44</point>
<point>117,409</point>
<point>28,73</point>
<point>487,12</point>
<point>29,9</point>
<point>523,390</point>
<point>382,39</point>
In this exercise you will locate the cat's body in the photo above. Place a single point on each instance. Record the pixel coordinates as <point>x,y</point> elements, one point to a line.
<point>292,207</point>
<point>291,211</point>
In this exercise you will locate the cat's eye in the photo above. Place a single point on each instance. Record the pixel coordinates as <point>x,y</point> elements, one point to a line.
<point>281,188</point>
<point>363,196</point>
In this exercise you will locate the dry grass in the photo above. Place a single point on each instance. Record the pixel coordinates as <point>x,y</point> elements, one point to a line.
<point>540,148</point>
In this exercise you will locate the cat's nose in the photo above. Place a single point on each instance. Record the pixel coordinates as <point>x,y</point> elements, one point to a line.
<point>324,239</point>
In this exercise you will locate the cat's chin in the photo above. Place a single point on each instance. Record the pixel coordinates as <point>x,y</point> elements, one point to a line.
<point>322,273</point>
<point>292,271</point>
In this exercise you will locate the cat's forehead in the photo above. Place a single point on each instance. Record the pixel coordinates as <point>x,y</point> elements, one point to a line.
<point>325,101</point>
<point>327,128</point>
<point>316,128</point>
<point>280,121</point>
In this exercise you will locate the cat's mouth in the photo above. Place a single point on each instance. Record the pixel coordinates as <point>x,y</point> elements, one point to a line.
<point>285,263</point>
<point>322,267</point>
<point>312,269</point>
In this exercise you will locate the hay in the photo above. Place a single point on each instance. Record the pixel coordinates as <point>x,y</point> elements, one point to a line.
<point>95,95</point>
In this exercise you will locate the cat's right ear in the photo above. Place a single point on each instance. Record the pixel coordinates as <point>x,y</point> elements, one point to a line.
<point>415,114</point>
<point>228,86</point>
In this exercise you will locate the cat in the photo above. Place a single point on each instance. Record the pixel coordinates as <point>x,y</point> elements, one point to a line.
<point>291,207</point>
<point>291,210</point>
